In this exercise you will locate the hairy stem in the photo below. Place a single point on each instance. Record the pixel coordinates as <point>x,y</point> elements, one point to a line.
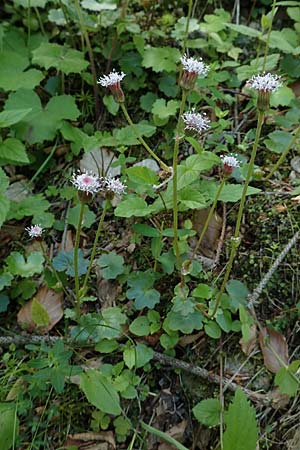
<point>91,57</point>
<point>142,141</point>
<point>236,237</point>
<point>175,162</point>
<point>94,249</point>
<point>76,247</point>
<point>283,155</point>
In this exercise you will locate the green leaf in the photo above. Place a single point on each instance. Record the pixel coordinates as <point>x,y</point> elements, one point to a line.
<point>278,141</point>
<point>99,5</point>
<point>137,356</point>
<point>9,425</point>
<point>5,280</point>
<point>35,206</point>
<point>146,230</point>
<point>111,105</point>
<point>191,199</point>
<point>238,293</point>
<point>224,320</point>
<point>4,210</point>
<point>238,436</point>
<point>189,170</point>
<point>286,379</point>
<point>140,326</point>
<point>41,123</point>
<point>213,330</point>
<point>17,265</point>
<point>110,325</point>
<point>107,346</point>
<point>39,315</point>
<point>64,262</point>
<point>185,323</point>
<point>12,151</point>
<point>163,109</point>
<point>141,290</point>
<point>282,97</point>
<point>89,217</point>
<point>61,57</point>
<point>246,321</point>
<point>8,118</point>
<point>100,392</point>
<point>142,175</point>
<point>243,29</point>
<point>147,100</point>
<point>161,58</point>
<point>4,302</point>
<point>111,265</point>
<point>208,412</point>
<point>13,75</point>
<point>202,291</point>
<point>132,206</point>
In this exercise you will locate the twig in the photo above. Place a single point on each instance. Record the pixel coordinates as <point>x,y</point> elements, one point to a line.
<point>252,298</point>
<point>165,360</point>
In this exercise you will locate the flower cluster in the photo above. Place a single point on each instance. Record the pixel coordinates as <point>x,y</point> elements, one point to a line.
<point>195,121</point>
<point>115,186</point>
<point>192,68</point>
<point>88,183</point>
<point>265,83</point>
<point>229,163</point>
<point>35,231</point>
<point>113,82</point>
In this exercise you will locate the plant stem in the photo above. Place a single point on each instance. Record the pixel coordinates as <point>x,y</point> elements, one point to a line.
<point>212,209</point>
<point>94,249</point>
<point>186,32</point>
<point>268,36</point>
<point>139,137</point>
<point>283,155</point>
<point>76,247</point>
<point>91,57</point>
<point>175,161</point>
<point>49,262</point>
<point>236,237</point>
<point>40,22</point>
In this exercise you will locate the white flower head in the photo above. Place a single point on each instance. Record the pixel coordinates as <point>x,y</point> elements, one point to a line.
<point>35,231</point>
<point>115,186</point>
<point>87,182</point>
<point>195,121</point>
<point>112,79</point>
<point>267,82</point>
<point>194,66</point>
<point>230,161</point>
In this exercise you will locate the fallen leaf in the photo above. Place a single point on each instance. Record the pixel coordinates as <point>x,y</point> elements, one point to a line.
<point>50,301</point>
<point>190,339</point>
<point>92,441</point>
<point>99,161</point>
<point>274,349</point>
<point>176,432</point>
<point>296,199</point>
<point>210,239</point>
<point>248,346</point>
<point>294,443</point>
<point>281,208</point>
<point>279,400</point>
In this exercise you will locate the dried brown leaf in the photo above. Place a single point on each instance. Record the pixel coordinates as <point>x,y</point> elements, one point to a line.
<point>279,400</point>
<point>176,432</point>
<point>249,346</point>
<point>274,349</point>
<point>92,441</point>
<point>51,301</point>
<point>210,240</point>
